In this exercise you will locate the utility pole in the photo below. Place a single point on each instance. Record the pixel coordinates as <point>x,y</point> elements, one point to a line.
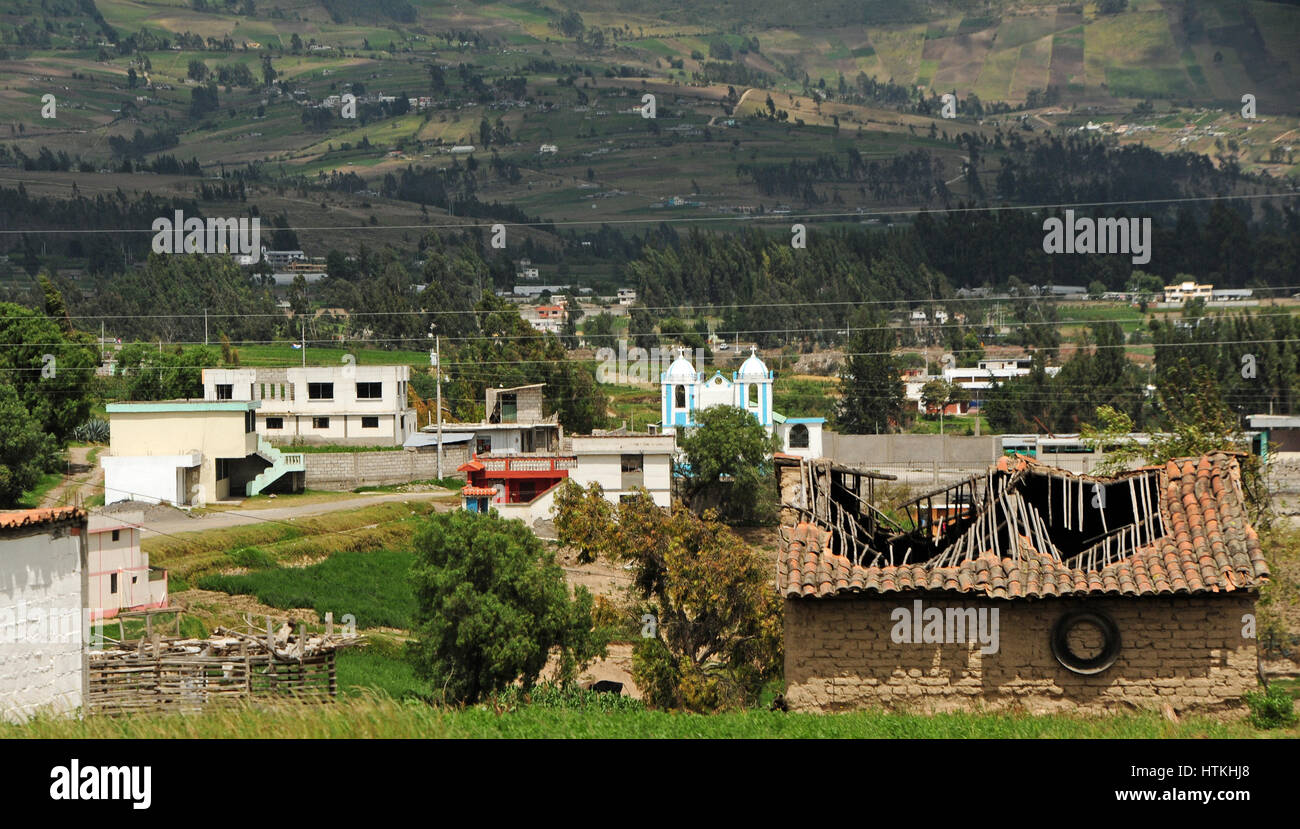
<point>205,326</point>
<point>437,368</point>
<point>304,342</point>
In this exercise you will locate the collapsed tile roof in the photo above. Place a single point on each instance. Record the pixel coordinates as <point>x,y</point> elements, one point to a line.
<point>36,517</point>
<point>1201,543</point>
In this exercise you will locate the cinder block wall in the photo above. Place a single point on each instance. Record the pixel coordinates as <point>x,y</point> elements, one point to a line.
<point>349,470</point>
<point>1187,652</point>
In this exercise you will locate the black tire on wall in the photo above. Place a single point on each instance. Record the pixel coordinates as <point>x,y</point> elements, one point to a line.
<point>1061,642</point>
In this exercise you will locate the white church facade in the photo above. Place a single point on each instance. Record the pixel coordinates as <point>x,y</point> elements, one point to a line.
<point>684,391</point>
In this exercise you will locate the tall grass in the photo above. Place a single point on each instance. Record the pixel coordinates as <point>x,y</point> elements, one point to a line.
<point>380,716</point>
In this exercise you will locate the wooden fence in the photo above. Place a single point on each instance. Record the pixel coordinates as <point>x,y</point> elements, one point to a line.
<point>188,675</point>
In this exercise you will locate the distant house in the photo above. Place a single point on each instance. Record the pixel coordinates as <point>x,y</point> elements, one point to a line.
<point>548,149</point>
<point>347,404</point>
<point>1279,436</point>
<point>44,631</point>
<point>183,452</point>
<point>120,575</point>
<point>279,259</point>
<point>520,457</point>
<point>626,296</point>
<point>1184,291</point>
<point>545,317</point>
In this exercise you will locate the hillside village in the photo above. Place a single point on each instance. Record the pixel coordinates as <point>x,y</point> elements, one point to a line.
<point>560,369</point>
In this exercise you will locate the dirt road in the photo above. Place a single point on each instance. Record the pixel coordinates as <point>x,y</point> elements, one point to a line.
<point>168,520</point>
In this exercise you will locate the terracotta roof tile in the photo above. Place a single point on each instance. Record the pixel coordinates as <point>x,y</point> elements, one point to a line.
<point>33,517</point>
<point>1208,546</point>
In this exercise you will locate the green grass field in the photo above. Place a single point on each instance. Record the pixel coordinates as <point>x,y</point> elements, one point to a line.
<point>372,586</point>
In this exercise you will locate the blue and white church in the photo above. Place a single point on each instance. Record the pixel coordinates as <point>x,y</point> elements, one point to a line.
<point>684,391</point>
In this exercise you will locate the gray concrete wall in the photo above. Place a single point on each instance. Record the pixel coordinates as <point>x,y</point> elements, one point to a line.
<point>938,455</point>
<point>349,470</point>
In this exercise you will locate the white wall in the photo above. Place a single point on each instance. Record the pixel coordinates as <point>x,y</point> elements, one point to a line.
<point>284,393</point>
<point>124,558</point>
<point>149,478</point>
<point>43,631</point>
<point>607,470</point>
<point>814,449</point>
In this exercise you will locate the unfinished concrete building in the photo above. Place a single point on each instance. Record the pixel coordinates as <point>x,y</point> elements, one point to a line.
<point>1024,587</point>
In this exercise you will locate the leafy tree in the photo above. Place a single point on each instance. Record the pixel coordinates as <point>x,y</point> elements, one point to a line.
<point>151,374</point>
<point>25,450</point>
<point>53,372</point>
<point>940,394</point>
<point>598,330</point>
<point>716,623</point>
<point>492,606</point>
<point>871,384</point>
<point>573,313</point>
<point>729,453</point>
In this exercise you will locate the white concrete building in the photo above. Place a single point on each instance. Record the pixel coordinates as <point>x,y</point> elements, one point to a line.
<point>1184,291</point>
<point>348,404</point>
<point>120,575</point>
<point>44,628</point>
<point>186,452</point>
<point>621,463</point>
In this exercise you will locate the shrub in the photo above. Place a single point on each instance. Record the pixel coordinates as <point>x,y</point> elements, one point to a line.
<point>1273,707</point>
<point>491,607</point>
<point>563,697</point>
<point>94,430</point>
<point>714,636</point>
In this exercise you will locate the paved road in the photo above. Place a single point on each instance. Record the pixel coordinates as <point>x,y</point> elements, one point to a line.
<point>181,522</point>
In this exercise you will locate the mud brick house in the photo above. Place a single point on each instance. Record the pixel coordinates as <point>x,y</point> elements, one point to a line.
<point>1023,588</point>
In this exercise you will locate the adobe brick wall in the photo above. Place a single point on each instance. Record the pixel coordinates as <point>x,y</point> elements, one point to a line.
<point>349,470</point>
<point>1187,652</point>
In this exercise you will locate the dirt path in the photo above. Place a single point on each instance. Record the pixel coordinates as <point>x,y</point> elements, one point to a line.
<point>78,474</point>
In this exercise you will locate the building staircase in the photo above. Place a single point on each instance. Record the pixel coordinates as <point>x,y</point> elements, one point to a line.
<point>281,464</point>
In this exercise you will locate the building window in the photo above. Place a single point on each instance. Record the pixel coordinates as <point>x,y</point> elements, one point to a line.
<point>112,583</point>
<point>799,436</point>
<point>117,534</point>
<point>320,391</point>
<point>679,397</point>
<point>632,475</point>
<point>320,423</point>
<point>369,423</point>
<point>275,423</point>
<point>509,408</point>
<point>250,421</point>
<point>752,393</point>
<point>370,391</point>
<point>483,446</point>
<point>225,391</point>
